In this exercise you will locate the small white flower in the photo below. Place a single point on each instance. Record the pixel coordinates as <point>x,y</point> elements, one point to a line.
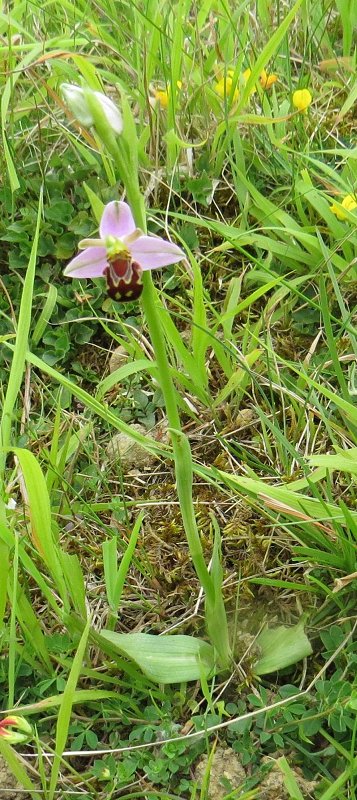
<point>11,504</point>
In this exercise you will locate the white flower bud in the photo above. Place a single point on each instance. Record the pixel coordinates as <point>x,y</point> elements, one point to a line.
<point>76,99</point>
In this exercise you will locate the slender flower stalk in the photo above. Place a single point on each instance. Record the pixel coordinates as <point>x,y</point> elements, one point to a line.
<point>182,458</point>
<point>125,252</point>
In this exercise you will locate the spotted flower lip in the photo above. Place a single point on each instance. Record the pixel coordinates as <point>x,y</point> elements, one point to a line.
<point>119,237</point>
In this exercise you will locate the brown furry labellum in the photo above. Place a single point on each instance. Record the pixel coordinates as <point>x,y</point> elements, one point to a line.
<point>124,278</point>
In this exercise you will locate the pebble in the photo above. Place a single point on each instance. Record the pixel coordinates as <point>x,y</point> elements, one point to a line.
<point>129,453</point>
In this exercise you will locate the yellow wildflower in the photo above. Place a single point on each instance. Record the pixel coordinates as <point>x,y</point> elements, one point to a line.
<point>223,87</point>
<point>246,75</point>
<point>162,95</point>
<point>265,80</point>
<point>349,203</point>
<point>302,99</point>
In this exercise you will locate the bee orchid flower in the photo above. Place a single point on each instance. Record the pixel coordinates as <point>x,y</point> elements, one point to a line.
<point>122,253</point>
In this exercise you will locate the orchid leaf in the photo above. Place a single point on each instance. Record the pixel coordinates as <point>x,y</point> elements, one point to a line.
<point>280,647</point>
<point>165,659</point>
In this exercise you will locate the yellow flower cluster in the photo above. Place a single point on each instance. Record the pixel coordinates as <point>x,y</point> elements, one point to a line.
<point>223,87</point>
<point>349,203</point>
<point>302,98</point>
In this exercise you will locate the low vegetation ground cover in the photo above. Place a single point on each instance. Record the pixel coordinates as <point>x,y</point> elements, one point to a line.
<point>178,428</point>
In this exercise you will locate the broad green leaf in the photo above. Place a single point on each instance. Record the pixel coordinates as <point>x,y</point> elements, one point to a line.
<point>97,408</point>
<point>215,613</point>
<point>46,313</point>
<point>349,102</point>
<point>126,561</point>
<point>283,499</point>
<point>171,137</point>
<point>120,374</point>
<point>114,576</point>
<point>269,50</point>
<point>88,71</point>
<point>165,659</point>
<point>19,350</point>
<point>346,462</point>
<point>7,537</point>
<point>31,627</point>
<point>6,95</point>
<point>280,647</point>
<point>237,378</point>
<point>81,696</point>
<point>74,579</point>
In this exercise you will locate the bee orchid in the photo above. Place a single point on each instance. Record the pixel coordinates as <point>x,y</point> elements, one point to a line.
<point>122,253</point>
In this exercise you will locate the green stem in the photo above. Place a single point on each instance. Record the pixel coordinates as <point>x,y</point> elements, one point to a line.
<point>180,443</point>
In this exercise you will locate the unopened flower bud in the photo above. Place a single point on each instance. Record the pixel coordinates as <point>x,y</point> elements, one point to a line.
<point>302,98</point>
<point>23,732</point>
<point>77,100</point>
<point>105,774</point>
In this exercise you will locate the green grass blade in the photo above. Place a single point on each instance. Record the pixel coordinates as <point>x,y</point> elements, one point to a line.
<point>39,508</point>
<point>17,769</point>
<point>19,357</point>
<point>64,714</point>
